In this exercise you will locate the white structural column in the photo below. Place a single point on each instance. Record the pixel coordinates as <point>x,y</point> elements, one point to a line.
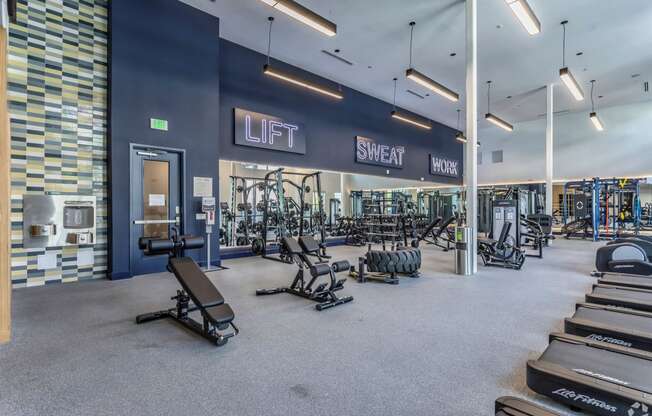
<point>549,146</point>
<point>471,154</point>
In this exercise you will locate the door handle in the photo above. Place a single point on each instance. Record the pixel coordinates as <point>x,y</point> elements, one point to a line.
<point>148,222</point>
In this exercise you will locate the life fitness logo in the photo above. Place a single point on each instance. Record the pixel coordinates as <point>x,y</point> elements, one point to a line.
<point>576,397</point>
<point>636,409</point>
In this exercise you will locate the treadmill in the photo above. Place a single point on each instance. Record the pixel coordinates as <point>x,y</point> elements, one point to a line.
<point>614,325</point>
<point>511,406</point>
<point>640,282</point>
<point>600,378</point>
<point>626,297</point>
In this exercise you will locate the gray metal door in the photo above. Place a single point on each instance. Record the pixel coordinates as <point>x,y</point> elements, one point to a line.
<point>155,203</point>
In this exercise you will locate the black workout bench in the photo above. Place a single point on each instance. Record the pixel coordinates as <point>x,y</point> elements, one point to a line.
<point>196,288</point>
<point>324,294</point>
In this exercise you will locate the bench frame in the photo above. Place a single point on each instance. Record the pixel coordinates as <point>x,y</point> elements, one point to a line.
<point>174,248</point>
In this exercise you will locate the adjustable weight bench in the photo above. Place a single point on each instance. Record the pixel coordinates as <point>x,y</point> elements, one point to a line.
<point>196,288</point>
<point>324,293</point>
<point>311,247</point>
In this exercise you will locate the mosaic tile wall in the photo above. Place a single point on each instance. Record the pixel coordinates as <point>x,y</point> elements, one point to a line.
<point>57,95</point>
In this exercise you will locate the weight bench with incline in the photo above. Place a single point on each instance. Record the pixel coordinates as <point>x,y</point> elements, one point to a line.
<point>324,293</point>
<point>196,288</point>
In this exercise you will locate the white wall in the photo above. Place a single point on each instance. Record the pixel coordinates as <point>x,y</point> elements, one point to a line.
<point>621,150</point>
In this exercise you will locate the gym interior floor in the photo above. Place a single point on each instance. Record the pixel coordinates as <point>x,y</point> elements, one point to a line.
<point>436,345</point>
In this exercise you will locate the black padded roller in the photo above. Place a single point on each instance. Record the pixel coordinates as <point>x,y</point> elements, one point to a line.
<point>341,266</point>
<point>160,245</point>
<point>320,269</point>
<point>191,242</point>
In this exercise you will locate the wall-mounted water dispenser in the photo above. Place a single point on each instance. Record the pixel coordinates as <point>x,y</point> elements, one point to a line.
<point>58,220</point>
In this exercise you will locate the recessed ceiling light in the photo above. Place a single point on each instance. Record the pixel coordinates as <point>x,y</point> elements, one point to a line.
<point>453,54</point>
<point>369,66</point>
<point>499,26</point>
<point>579,53</point>
<point>600,96</point>
<point>337,51</point>
<point>509,97</point>
<point>636,75</point>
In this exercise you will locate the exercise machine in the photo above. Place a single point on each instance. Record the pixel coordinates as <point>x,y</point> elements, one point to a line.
<point>624,257</point>
<point>324,293</point>
<point>217,315</point>
<point>512,406</point>
<point>626,297</point>
<point>614,325</point>
<point>437,233</point>
<point>502,252</point>
<point>598,377</point>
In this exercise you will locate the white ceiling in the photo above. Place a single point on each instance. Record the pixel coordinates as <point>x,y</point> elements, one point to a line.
<point>615,37</point>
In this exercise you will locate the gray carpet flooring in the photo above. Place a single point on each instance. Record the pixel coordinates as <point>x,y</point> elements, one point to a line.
<point>436,345</point>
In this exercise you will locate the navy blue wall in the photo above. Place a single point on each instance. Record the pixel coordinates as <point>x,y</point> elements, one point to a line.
<point>164,64</point>
<point>331,125</point>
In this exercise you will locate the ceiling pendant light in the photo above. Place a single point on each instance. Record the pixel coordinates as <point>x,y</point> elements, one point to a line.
<point>304,15</point>
<point>525,15</point>
<point>460,137</point>
<point>405,118</point>
<point>283,76</point>
<point>593,115</point>
<point>566,76</point>
<point>423,80</point>
<point>492,118</point>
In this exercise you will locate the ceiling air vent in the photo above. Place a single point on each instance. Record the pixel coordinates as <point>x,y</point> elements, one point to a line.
<point>416,94</point>
<point>339,58</point>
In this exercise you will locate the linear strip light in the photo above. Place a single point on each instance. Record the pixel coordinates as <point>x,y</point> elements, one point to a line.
<point>268,70</point>
<point>407,119</point>
<point>304,15</point>
<point>431,84</point>
<point>596,121</point>
<point>570,82</point>
<point>525,15</point>
<point>593,115</point>
<point>565,74</point>
<point>498,122</point>
<point>492,118</point>
<point>425,81</point>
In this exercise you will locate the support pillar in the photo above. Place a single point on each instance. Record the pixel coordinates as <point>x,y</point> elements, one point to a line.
<point>471,154</point>
<point>549,146</point>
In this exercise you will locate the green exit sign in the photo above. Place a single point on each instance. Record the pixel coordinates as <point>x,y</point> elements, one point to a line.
<point>157,124</point>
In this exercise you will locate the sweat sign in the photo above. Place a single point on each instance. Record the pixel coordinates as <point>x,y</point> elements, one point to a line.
<point>372,153</point>
<point>443,166</point>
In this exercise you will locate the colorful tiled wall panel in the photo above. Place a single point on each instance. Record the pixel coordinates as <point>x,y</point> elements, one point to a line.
<point>57,93</point>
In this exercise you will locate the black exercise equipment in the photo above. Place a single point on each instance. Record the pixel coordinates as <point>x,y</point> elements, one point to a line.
<point>386,265</point>
<point>324,294</point>
<point>614,325</point>
<point>196,288</point>
<point>625,257</point>
<point>501,253</point>
<point>640,282</point>
<point>512,406</point>
<point>536,233</point>
<point>436,232</point>
<point>626,297</point>
<point>580,226</point>
<point>601,378</point>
